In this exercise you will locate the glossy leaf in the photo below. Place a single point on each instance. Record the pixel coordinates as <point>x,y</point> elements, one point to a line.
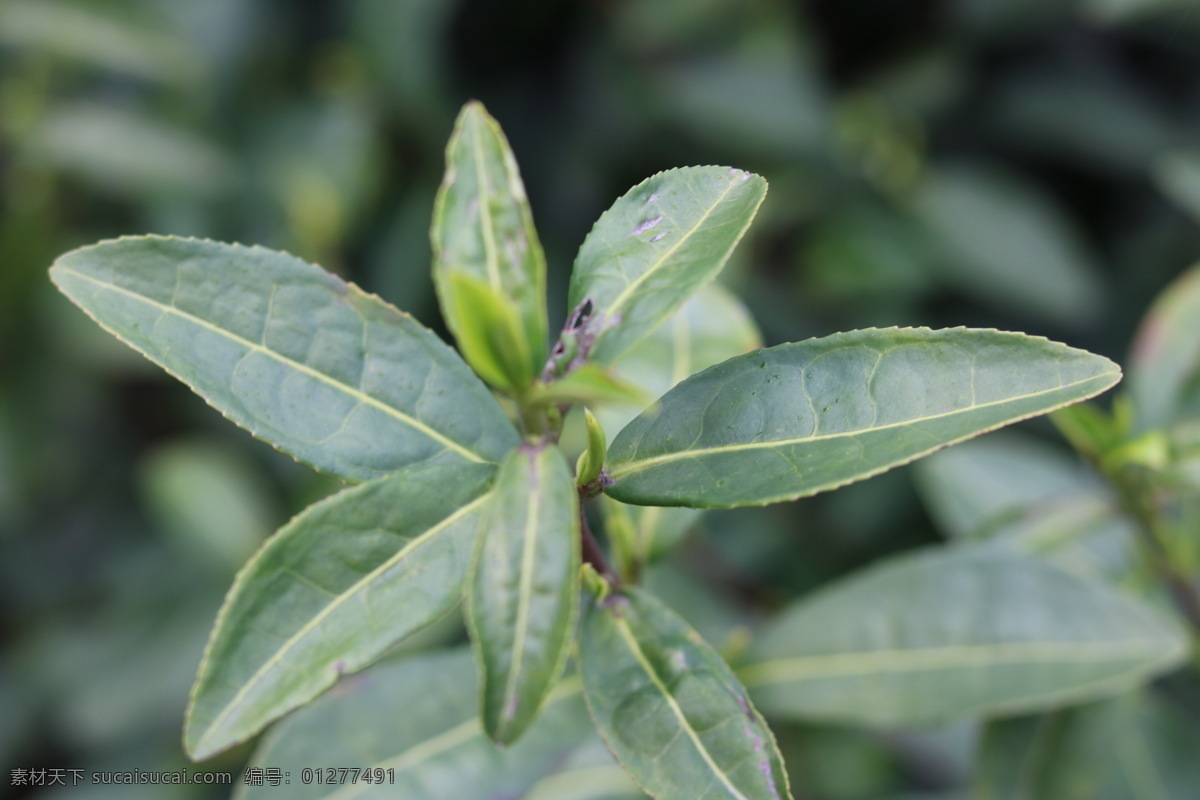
<point>325,372</point>
<point>658,245</point>
<point>525,589</point>
<point>1165,359</point>
<point>801,418</point>
<point>416,721</point>
<point>711,327</point>
<point>330,592</point>
<point>943,634</point>
<point>670,709</point>
<point>482,226</point>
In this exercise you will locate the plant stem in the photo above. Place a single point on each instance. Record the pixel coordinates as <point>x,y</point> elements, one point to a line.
<point>592,554</point>
<point>1183,593</point>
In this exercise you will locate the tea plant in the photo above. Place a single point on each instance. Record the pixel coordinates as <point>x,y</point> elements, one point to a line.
<point>464,492</point>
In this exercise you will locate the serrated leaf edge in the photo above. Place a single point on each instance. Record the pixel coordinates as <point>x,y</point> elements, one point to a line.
<point>1115,374</point>
<point>351,287</point>
<point>198,752</point>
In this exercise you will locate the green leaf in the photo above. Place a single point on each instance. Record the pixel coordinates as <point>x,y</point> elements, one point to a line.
<point>589,774</point>
<point>942,634</point>
<point>416,720</point>
<point>659,244</point>
<point>489,332</point>
<point>591,460</point>
<point>482,226</point>
<point>1131,746</point>
<point>802,418</point>
<point>1178,176</point>
<point>211,497</point>
<point>589,384</point>
<point>525,590</point>
<point>1164,364</point>
<point>331,375</point>
<point>330,592</point>
<point>1018,490</point>
<point>670,709</point>
<point>1008,244</point>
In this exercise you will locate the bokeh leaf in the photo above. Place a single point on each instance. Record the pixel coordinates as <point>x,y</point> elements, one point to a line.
<point>944,634</point>
<point>211,497</point>
<point>1178,176</point>
<point>525,590</point>
<point>1011,488</point>
<point>99,39</point>
<point>365,391</point>
<point>1007,244</point>
<point>1135,745</point>
<point>416,720</point>
<point>670,709</point>
<point>659,244</point>
<point>482,226</point>
<point>330,591</point>
<point>801,418</point>
<point>129,152</point>
<point>1164,364</point>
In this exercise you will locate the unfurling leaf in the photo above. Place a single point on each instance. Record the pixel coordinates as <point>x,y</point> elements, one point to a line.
<point>483,228</point>
<point>591,460</point>
<point>489,333</point>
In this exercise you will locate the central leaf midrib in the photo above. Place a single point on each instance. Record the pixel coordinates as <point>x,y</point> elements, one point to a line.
<point>636,465</point>
<point>357,394</point>
<point>491,249</point>
<point>311,625</point>
<point>524,597</point>
<point>620,300</point>
<point>834,665</point>
<point>631,642</point>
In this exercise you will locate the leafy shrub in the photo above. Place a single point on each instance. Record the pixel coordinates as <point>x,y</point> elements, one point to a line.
<point>461,491</point>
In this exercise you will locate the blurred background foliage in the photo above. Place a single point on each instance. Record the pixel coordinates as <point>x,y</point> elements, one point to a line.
<point>1021,164</point>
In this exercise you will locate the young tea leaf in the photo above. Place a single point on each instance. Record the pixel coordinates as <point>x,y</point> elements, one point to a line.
<point>944,634</point>
<point>331,375</point>
<point>330,591</point>
<point>525,590</point>
<point>658,245</point>
<point>489,332</point>
<point>798,419</point>
<point>412,729</point>
<point>482,227</point>
<point>670,709</point>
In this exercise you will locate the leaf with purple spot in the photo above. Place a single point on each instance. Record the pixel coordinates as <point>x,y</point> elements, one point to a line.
<point>669,709</point>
